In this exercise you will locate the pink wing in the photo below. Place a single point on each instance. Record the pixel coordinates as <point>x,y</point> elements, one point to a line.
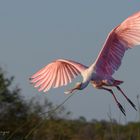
<point>56,74</point>
<point>123,37</point>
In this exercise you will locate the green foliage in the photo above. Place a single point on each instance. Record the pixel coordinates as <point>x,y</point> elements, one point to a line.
<point>19,118</point>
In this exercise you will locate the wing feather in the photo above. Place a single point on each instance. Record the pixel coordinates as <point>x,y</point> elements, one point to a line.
<point>71,73</point>
<point>120,39</point>
<point>41,76</point>
<point>67,74</point>
<point>46,82</point>
<point>44,78</point>
<point>50,84</point>
<point>75,71</point>
<point>40,72</point>
<point>56,74</point>
<point>64,76</point>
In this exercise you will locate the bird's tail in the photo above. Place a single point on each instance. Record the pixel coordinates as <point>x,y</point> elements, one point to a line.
<point>117,82</point>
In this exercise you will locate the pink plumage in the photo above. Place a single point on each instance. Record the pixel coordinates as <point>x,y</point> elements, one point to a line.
<point>56,74</point>
<point>99,74</point>
<point>123,37</point>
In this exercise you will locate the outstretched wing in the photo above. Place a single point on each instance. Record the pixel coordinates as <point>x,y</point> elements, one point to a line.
<point>123,37</point>
<point>56,74</point>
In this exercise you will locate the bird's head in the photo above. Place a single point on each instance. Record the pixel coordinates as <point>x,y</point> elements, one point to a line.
<point>78,86</point>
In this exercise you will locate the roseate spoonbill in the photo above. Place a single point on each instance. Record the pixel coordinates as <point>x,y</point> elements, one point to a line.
<point>60,72</point>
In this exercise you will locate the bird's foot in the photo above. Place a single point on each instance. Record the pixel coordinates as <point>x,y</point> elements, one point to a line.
<point>132,104</point>
<point>121,108</point>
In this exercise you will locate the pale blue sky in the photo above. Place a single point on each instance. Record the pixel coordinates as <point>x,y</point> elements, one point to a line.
<point>35,32</point>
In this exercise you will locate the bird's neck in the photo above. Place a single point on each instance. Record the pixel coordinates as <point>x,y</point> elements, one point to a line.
<point>92,66</point>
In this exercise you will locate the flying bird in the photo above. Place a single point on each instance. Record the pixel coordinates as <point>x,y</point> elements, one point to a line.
<point>61,71</point>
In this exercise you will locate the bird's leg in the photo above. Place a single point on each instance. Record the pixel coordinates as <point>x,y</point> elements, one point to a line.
<point>118,104</point>
<point>132,104</point>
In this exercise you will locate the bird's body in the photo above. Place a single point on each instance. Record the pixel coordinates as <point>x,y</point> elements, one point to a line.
<point>61,71</point>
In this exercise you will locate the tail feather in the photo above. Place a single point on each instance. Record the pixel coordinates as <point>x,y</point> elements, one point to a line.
<point>117,82</point>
